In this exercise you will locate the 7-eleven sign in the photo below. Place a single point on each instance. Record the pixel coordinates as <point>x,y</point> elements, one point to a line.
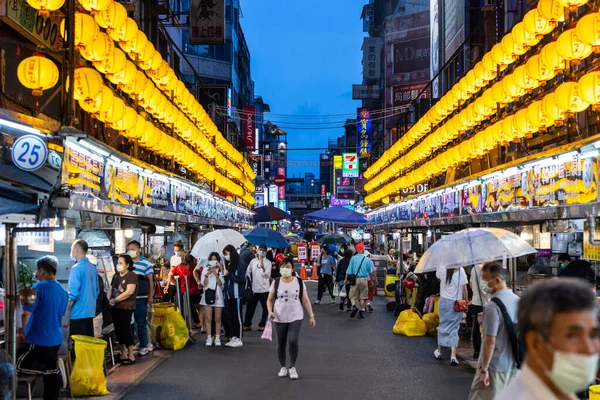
<point>349,165</point>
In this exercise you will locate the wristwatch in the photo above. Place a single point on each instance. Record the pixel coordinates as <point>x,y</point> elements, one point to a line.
<point>484,371</point>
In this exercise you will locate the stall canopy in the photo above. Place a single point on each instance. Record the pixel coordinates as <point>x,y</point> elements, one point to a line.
<point>269,213</point>
<point>338,215</point>
<point>14,201</point>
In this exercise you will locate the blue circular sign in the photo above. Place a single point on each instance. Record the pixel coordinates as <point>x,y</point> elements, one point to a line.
<point>29,152</point>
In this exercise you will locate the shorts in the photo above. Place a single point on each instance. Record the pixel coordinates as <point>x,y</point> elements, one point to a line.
<point>360,290</point>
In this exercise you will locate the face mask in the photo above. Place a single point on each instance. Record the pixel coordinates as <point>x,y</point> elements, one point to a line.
<point>573,372</point>
<point>213,263</point>
<point>261,253</point>
<point>286,272</point>
<point>562,266</point>
<point>120,268</point>
<point>73,257</point>
<point>178,253</point>
<point>227,257</point>
<point>132,253</point>
<point>483,285</point>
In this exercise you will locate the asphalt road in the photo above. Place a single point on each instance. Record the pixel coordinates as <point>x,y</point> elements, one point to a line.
<point>339,359</point>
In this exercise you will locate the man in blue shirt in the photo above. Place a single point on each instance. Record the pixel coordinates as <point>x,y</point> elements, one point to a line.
<point>326,267</point>
<point>361,266</point>
<point>83,292</point>
<point>43,336</point>
<point>145,273</point>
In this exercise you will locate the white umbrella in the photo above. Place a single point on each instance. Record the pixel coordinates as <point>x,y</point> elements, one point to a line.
<point>473,246</point>
<point>216,241</point>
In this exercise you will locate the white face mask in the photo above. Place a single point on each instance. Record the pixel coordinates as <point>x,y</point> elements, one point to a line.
<point>120,268</point>
<point>213,263</point>
<point>132,253</point>
<point>227,257</point>
<point>286,272</point>
<point>260,253</point>
<point>573,372</point>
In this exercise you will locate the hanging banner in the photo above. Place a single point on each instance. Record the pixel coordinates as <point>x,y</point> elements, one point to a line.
<point>207,22</point>
<point>363,132</point>
<point>372,58</point>
<point>281,189</point>
<point>250,127</point>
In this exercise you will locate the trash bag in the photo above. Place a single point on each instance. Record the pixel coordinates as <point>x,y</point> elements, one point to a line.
<point>432,321</point>
<point>410,324</point>
<point>87,378</point>
<point>268,332</point>
<point>174,333</point>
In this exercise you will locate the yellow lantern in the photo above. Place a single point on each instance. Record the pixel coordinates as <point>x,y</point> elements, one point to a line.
<point>138,130</point>
<point>570,47</point>
<point>124,77</point>
<point>551,110</point>
<point>145,96</point>
<point>588,30</point>
<point>499,94</point>
<point>466,86</point>
<point>488,99</point>
<point>506,129</point>
<point>126,32</point>
<point>167,82</point>
<point>474,81</point>
<point>37,73</point>
<point>99,48</point>
<point>95,6</point>
<point>113,63</point>
<point>113,17</point>
<point>522,37</point>
<point>551,10</point>
<point>98,104</point>
<point>500,56</point>
<point>44,7</point>
<point>523,80</point>
<point>135,45</point>
<point>127,123</point>
<point>537,25</point>
<point>552,58</point>
<point>567,98</point>
<point>86,29</point>
<point>489,64</point>
<point>539,70</point>
<point>162,71</point>
<point>145,57</point>
<point>510,46</point>
<point>510,87</point>
<point>88,84</point>
<point>522,123</point>
<point>458,93</point>
<point>537,117</point>
<point>589,88</point>
<point>156,61</point>
<point>572,4</point>
<point>113,114</point>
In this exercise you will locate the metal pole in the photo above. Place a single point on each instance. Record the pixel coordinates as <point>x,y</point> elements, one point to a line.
<point>70,100</point>
<point>177,300</point>
<point>10,297</point>
<point>189,308</point>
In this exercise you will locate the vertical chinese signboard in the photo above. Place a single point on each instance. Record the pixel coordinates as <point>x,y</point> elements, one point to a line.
<point>207,22</point>
<point>363,132</point>
<point>372,58</point>
<point>250,127</point>
<point>281,189</point>
<point>349,165</point>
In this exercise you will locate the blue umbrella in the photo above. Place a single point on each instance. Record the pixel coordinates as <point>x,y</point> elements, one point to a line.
<point>266,236</point>
<point>269,213</point>
<point>340,215</point>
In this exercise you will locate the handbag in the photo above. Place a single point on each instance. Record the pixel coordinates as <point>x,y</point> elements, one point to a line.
<point>268,332</point>
<point>248,293</point>
<point>460,305</point>
<point>336,290</point>
<point>352,277</point>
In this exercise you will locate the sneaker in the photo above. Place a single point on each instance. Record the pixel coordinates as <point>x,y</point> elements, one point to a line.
<point>318,302</point>
<point>143,351</point>
<point>217,341</point>
<point>247,328</point>
<point>342,306</point>
<point>293,373</point>
<point>282,372</point>
<point>369,307</point>
<point>361,315</point>
<point>234,342</point>
<point>63,372</point>
<point>437,354</point>
<point>150,348</point>
<point>454,361</point>
<point>261,328</point>
<point>209,342</point>
<point>333,300</point>
<point>353,313</point>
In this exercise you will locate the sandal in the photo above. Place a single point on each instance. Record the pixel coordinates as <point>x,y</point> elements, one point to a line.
<point>437,355</point>
<point>128,361</point>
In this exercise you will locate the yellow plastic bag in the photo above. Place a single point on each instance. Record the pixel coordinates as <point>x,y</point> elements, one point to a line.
<point>409,324</point>
<point>87,378</point>
<point>174,333</point>
<point>432,321</point>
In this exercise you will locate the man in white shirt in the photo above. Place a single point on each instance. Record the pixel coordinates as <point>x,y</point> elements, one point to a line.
<point>558,322</point>
<point>258,275</point>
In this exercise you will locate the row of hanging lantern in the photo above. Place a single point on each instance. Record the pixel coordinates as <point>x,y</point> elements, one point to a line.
<point>573,45</point>
<point>110,109</point>
<point>187,117</point>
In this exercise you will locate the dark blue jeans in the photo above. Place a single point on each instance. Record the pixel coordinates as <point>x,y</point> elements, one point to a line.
<point>141,324</point>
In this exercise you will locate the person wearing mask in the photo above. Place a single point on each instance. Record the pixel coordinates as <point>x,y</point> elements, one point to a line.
<point>481,297</point>
<point>235,279</point>
<point>183,270</point>
<point>496,366</point>
<point>340,274</point>
<point>310,235</point>
<point>122,299</point>
<point>145,274</point>
<point>326,268</point>
<point>453,287</point>
<point>83,292</point>
<point>259,275</point>
<point>361,267</point>
<point>212,279</point>
<point>42,337</point>
<point>287,295</point>
<point>558,324</point>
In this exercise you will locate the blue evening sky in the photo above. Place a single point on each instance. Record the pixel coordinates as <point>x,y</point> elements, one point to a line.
<point>305,56</point>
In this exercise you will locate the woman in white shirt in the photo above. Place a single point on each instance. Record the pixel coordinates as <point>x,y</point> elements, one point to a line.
<point>212,279</point>
<point>453,286</point>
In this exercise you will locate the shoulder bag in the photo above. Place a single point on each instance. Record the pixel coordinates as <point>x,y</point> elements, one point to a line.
<point>518,349</point>
<point>460,305</point>
<point>210,295</point>
<point>352,277</point>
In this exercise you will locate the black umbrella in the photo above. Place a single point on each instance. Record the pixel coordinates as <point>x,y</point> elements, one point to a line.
<point>269,213</point>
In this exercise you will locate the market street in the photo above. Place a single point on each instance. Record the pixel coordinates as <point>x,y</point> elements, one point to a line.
<point>339,359</point>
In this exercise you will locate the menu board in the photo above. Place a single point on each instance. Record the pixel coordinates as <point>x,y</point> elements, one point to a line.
<point>506,193</point>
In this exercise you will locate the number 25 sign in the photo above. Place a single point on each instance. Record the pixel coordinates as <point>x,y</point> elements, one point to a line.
<point>29,152</point>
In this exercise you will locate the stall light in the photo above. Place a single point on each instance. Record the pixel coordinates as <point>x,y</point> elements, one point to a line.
<point>115,158</point>
<point>85,151</point>
<point>58,235</point>
<point>132,166</point>
<point>21,127</point>
<point>128,233</point>
<point>597,144</point>
<point>93,147</point>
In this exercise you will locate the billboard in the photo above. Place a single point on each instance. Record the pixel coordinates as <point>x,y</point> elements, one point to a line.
<point>349,165</point>
<point>363,132</point>
<point>365,92</point>
<point>250,127</point>
<point>411,55</point>
<point>207,22</point>
<point>434,34</point>
<point>405,94</point>
<point>372,58</point>
<point>454,26</point>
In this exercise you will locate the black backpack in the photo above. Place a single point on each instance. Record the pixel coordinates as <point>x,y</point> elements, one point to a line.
<point>299,283</point>
<point>518,349</point>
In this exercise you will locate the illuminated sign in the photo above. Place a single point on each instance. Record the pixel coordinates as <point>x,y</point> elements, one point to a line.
<point>349,165</point>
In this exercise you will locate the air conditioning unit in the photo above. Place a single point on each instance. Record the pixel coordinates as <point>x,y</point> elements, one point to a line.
<point>109,222</point>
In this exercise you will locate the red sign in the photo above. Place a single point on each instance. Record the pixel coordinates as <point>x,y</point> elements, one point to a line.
<point>279,180</point>
<point>250,127</point>
<point>323,191</point>
<point>281,189</point>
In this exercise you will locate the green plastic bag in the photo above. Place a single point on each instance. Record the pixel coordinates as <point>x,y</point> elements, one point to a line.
<point>87,378</point>
<point>174,333</point>
<point>336,290</point>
